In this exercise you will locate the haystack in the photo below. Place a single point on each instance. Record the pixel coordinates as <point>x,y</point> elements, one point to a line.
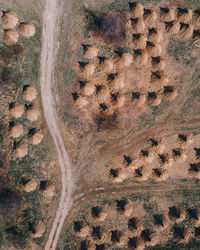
<point>108,66</point>
<point>160,174</point>
<point>135,225</point>
<point>117,100</point>
<point>27,29</point>
<point>30,186</point>
<point>196,17</point>
<point>138,25</point>
<point>88,89</point>
<point>117,83</point>
<point>33,113</point>
<point>126,60</point>
<point>118,237</point>
<point>21,150</point>
<point>154,49</point>
<point>172,27</point>
<point>137,9</point>
<point>138,99</point>
<point>88,70</point>
<point>154,99</point>
<point>140,174</point>
<point>10,37</point>
<point>176,214</point>
<point>87,244</point>
<point>139,41</point>
<point>147,236</point>
<point>160,221</point>
<point>99,213</point>
<point>81,229</point>
<point>158,63</point>
<point>47,188</point>
<point>185,139</point>
<point>125,207</point>
<point>184,15</point>
<point>147,155</point>
<point>36,138</point>
<point>9,20</point>
<point>150,16</point>
<point>91,52</point>
<point>103,93</point>
<point>194,170</point>
<point>178,155</point>
<point>135,243</point>
<point>155,35</point>
<point>98,234</point>
<point>141,57</point>
<point>117,175</point>
<point>158,79</point>
<point>17,110</point>
<point>186,30</point>
<point>16,131</point>
<point>167,14</point>
<point>29,93</point>
<point>194,215</point>
<point>181,233</point>
<point>38,229</point>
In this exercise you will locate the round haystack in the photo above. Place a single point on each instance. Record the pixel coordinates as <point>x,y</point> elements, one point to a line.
<point>32,113</point>
<point>89,89</point>
<point>98,234</point>
<point>138,25</point>
<point>128,209</point>
<point>9,20</point>
<point>38,229</point>
<point>154,49</point>
<point>81,102</point>
<point>138,99</point>
<point>88,70</point>
<point>184,15</point>
<point>21,150</point>
<point>160,174</point>
<point>36,138</point>
<point>178,155</point>
<point>103,93</point>
<point>167,15</point>
<point>29,93</point>
<point>194,170</point>
<point>81,229</point>
<point>181,233</point>
<point>10,37</point>
<point>136,243</point>
<point>150,16</point>
<point>160,221</point>
<point>186,30</point>
<point>87,244</point>
<point>172,27</point>
<point>99,213</point>
<point>154,99</point>
<point>108,66</point>
<point>117,175</point>
<point>194,215</point>
<point>16,131</point>
<point>141,57</point>
<point>158,79</point>
<point>135,225</point>
<point>196,17</point>
<point>47,188</point>
<point>155,35</point>
<point>126,60</point>
<point>117,83</point>
<point>30,186</point>
<point>91,52</point>
<point>185,139</point>
<point>176,214</point>
<point>158,63</point>
<point>147,155</point>
<point>140,174</point>
<point>139,41</point>
<point>27,29</point>
<point>17,110</point>
<point>117,100</point>
<point>137,9</point>
<point>118,237</point>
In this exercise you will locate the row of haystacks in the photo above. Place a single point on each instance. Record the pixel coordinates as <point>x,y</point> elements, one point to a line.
<point>155,161</point>
<point>134,233</point>
<point>10,22</point>
<point>16,129</point>
<point>164,13</point>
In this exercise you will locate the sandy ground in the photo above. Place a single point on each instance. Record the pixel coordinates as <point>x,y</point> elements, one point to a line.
<point>49,50</point>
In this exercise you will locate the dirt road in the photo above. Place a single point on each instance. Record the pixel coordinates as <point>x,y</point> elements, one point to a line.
<point>49,50</point>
